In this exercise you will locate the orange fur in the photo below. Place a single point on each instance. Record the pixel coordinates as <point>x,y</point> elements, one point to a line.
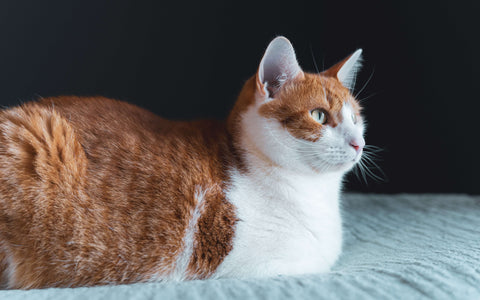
<point>108,201</point>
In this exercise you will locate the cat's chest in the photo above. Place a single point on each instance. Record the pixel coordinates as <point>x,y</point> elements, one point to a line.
<point>285,226</point>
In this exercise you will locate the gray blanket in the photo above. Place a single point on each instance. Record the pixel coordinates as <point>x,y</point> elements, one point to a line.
<point>396,247</point>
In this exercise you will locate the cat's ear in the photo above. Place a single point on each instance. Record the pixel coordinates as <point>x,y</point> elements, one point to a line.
<point>346,70</point>
<point>279,65</point>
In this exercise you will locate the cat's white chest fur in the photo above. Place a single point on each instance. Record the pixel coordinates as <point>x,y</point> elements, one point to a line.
<point>288,224</point>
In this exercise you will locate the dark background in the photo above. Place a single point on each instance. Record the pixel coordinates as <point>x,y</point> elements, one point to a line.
<point>189,60</point>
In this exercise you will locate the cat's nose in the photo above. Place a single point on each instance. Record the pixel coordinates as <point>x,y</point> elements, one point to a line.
<point>358,144</point>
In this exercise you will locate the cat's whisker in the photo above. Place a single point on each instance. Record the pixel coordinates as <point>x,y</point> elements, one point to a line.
<point>370,160</point>
<point>362,172</point>
<point>372,154</point>
<point>365,85</point>
<point>373,149</point>
<point>361,101</point>
<point>369,146</point>
<point>363,165</point>
<point>314,60</point>
<point>363,169</point>
<point>360,167</point>
<point>369,173</point>
<point>374,176</point>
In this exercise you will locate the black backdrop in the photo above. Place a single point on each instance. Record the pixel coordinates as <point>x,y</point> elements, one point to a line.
<point>189,60</point>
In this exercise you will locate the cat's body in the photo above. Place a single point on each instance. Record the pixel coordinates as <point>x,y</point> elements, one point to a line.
<point>98,191</point>
<point>109,202</point>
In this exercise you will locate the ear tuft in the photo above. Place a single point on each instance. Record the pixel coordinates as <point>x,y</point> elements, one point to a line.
<point>279,65</point>
<point>346,70</point>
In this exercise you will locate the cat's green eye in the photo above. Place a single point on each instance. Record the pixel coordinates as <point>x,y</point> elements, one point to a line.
<point>319,116</point>
<point>354,118</point>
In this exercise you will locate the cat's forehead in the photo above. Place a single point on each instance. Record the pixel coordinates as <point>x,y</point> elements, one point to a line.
<point>316,91</point>
<point>311,92</point>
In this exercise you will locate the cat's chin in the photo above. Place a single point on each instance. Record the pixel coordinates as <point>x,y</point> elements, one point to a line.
<point>335,168</point>
<point>346,167</point>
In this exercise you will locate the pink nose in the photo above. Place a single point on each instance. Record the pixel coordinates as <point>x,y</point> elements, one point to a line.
<point>357,144</point>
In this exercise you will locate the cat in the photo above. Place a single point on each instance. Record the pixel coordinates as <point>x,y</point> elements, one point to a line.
<point>96,191</point>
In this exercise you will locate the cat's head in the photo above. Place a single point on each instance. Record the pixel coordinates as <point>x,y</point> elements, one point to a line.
<point>297,120</point>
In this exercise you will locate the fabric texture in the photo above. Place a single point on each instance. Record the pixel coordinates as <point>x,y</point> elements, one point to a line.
<point>395,247</point>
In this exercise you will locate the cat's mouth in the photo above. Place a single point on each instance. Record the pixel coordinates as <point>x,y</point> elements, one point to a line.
<point>358,157</point>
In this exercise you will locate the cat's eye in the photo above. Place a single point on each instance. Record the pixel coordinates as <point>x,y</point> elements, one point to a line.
<point>319,116</point>
<point>354,118</point>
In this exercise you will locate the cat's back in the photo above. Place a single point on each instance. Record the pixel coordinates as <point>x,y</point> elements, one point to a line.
<point>109,137</point>
<point>100,117</point>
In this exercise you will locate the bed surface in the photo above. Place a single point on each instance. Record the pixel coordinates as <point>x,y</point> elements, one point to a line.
<point>396,247</point>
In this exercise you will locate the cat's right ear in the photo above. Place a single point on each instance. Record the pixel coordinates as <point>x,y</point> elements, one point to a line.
<point>346,70</point>
<point>278,66</point>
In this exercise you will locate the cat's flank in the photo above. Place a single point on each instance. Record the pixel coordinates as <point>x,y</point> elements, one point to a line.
<point>97,191</point>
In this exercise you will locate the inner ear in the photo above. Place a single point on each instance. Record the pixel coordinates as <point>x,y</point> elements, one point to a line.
<point>278,66</point>
<point>346,70</point>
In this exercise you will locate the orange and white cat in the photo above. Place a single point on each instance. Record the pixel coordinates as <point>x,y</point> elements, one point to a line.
<point>97,191</point>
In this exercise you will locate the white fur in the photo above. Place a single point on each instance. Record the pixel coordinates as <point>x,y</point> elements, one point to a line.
<point>183,259</point>
<point>288,201</point>
<point>10,270</point>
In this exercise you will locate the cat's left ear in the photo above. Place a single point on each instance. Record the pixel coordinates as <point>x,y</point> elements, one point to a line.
<point>278,66</point>
<point>346,70</point>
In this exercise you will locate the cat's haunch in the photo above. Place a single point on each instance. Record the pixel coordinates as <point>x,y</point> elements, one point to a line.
<point>97,191</point>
